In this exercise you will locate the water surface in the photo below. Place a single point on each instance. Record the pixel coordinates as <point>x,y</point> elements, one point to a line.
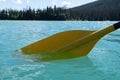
<point>102,63</point>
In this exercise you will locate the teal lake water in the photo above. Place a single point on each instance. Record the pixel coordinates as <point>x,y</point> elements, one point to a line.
<point>102,63</point>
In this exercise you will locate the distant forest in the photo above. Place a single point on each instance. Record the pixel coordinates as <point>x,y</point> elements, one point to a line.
<point>31,14</point>
<point>79,13</point>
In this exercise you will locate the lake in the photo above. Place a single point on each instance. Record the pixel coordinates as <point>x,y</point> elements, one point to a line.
<point>102,63</point>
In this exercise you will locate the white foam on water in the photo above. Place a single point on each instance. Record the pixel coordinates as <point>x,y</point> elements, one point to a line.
<point>18,54</point>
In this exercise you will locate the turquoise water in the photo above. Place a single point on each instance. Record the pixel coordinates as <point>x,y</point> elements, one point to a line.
<point>102,63</point>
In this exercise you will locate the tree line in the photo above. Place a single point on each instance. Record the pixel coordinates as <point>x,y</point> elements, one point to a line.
<point>58,13</point>
<point>49,13</point>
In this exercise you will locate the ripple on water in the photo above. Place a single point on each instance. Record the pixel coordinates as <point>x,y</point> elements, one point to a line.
<point>21,72</point>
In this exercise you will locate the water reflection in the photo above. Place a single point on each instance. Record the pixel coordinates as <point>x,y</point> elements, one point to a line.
<point>117,35</point>
<point>113,40</point>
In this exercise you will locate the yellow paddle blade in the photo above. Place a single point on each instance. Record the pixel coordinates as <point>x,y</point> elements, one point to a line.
<point>55,42</point>
<point>68,44</point>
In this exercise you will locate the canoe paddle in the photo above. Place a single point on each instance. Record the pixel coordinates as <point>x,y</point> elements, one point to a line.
<point>67,44</point>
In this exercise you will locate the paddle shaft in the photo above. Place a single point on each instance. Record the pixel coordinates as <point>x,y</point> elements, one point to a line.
<point>93,36</point>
